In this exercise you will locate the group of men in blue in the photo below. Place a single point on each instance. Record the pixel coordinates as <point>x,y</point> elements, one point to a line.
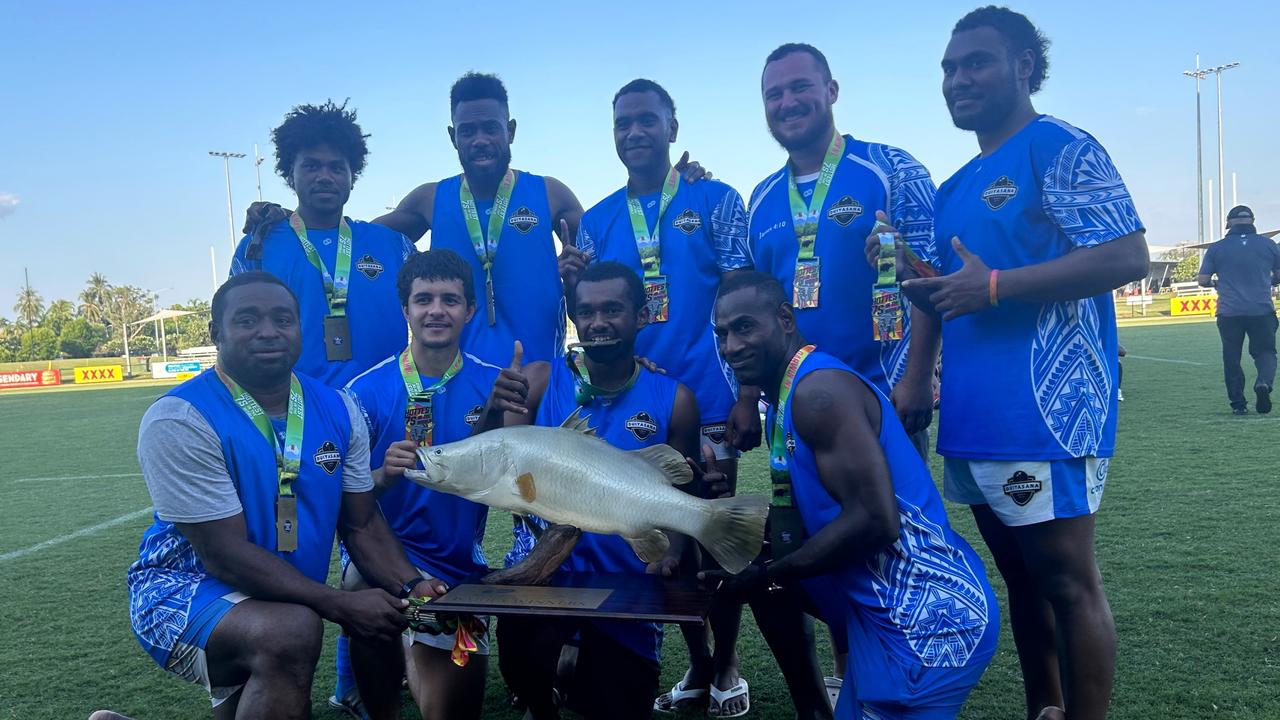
<point>342,350</point>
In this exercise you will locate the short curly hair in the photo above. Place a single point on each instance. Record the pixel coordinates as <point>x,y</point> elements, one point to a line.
<point>308,126</point>
<point>1019,34</point>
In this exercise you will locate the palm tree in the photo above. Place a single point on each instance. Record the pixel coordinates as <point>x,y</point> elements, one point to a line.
<point>58,314</point>
<point>30,306</point>
<point>95,298</point>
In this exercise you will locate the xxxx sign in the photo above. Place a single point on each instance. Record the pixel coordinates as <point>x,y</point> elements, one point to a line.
<point>99,374</point>
<point>1203,305</point>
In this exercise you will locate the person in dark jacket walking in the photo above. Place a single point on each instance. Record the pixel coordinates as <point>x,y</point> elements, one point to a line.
<point>1247,265</point>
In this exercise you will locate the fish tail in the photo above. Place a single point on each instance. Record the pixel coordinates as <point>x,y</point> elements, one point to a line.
<point>735,532</point>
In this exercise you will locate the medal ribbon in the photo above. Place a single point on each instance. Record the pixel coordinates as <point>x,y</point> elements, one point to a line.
<point>804,218</point>
<point>288,458</point>
<point>648,244</point>
<point>420,397</point>
<point>583,391</point>
<point>335,285</point>
<point>778,470</point>
<point>487,246</point>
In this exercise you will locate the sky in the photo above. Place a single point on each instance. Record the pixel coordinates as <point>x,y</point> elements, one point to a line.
<point>108,110</point>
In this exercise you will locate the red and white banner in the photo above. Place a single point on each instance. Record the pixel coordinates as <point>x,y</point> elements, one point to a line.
<point>29,378</point>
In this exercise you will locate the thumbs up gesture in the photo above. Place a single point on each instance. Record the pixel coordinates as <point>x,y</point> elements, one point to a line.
<point>968,290</point>
<point>510,393</point>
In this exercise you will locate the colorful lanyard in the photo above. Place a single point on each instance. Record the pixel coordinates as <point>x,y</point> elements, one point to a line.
<point>418,408</point>
<point>805,217</point>
<point>288,458</point>
<point>335,286</point>
<point>583,391</point>
<point>779,472</point>
<point>487,247</point>
<point>648,244</point>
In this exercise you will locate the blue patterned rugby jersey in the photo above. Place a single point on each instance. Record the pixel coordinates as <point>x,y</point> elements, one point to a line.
<point>1031,381</point>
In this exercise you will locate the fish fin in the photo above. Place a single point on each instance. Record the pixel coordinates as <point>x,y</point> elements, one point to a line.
<point>651,546</point>
<point>525,488</point>
<point>735,532</point>
<point>668,460</point>
<point>578,423</point>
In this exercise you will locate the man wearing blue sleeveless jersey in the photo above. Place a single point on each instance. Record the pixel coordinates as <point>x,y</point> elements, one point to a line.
<point>252,470</point>
<point>1034,234</point>
<point>630,407</point>
<point>868,536</point>
<point>840,185</point>
<point>343,271</point>
<point>699,235</point>
<point>431,393</point>
<point>500,220</point>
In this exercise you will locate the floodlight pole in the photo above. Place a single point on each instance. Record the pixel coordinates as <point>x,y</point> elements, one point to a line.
<point>1198,75</point>
<point>226,165</point>
<point>1222,184</point>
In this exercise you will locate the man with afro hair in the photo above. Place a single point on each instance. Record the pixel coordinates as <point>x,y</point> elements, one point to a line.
<point>343,271</point>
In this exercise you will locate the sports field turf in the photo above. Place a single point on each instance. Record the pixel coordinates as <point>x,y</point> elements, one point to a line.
<point>1188,539</point>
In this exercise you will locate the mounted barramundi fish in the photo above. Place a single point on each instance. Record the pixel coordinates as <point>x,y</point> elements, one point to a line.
<point>567,475</point>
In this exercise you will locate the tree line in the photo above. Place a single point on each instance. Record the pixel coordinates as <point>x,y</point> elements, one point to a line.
<point>94,325</point>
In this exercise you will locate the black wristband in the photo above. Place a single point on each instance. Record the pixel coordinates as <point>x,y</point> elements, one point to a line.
<point>406,588</point>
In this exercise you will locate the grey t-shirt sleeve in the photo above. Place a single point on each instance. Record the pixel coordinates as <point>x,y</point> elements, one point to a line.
<point>183,466</point>
<point>355,470</point>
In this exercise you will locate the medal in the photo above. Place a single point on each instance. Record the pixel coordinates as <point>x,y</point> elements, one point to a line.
<point>288,458</point>
<point>584,393</point>
<point>337,335</point>
<point>886,297</point>
<point>804,220</point>
<point>487,247</point>
<point>419,422</point>
<point>804,291</point>
<point>286,523</point>
<point>337,338</point>
<point>649,246</point>
<point>655,292</point>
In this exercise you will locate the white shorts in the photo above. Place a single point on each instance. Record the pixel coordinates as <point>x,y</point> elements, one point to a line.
<point>1030,491</point>
<point>351,580</point>
<point>188,659</point>
<point>715,436</point>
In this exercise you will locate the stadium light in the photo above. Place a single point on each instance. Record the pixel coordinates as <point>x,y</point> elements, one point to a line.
<point>226,165</point>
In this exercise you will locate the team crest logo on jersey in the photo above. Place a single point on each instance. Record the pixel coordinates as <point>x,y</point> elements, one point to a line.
<point>999,193</point>
<point>473,416</point>
<point>844,211</point>
<point>687,222</point>
<point>328,457</point>
<point>1022,487</point>
<point>714,433</point>
<point>642,425</point>
<point>790,444</point>
<point>523,220</point>
<point>370,267</point>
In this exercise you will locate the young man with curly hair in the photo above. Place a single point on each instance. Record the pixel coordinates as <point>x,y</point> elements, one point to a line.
<point>343,271</point>
<point>1032,236</point>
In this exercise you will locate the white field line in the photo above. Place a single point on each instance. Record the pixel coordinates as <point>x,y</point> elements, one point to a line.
<point>1164,360</point>
<point>77,477</point>
<point>15,554</point>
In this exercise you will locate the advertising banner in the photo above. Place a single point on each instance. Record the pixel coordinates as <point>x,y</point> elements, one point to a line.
<point>29,378</point>
<point>99,374</point>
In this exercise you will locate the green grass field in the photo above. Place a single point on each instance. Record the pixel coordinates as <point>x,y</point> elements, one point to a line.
<point>1187,540</point>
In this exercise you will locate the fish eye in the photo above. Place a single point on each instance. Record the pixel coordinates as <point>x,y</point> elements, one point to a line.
<point>437,451</point>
